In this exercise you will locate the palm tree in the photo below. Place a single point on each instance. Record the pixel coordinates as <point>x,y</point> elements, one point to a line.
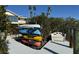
<point>32,10</point>
<point>49,10</point>
<point>3,31</point>
<point>47,21</point>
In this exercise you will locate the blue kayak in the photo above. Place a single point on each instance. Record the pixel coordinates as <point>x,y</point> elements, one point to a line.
<point>23,31</point>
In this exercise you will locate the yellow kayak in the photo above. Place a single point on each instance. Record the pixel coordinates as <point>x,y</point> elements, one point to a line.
<point>37,38</point>
<point>25,36</point>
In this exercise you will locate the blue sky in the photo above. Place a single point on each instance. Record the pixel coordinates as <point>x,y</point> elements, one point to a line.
<point>57,10</point>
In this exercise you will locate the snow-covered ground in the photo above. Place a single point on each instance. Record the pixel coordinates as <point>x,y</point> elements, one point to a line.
<point>50,48</point>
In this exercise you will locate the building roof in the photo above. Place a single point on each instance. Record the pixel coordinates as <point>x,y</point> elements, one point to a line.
<point>10,13</point>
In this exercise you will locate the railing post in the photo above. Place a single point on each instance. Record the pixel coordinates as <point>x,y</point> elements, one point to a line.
<point>73,38</point>
<point>76,41</point>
